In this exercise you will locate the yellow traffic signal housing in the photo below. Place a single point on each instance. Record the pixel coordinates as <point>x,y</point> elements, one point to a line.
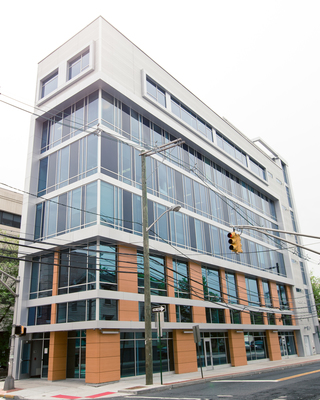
<point>20,330</point>
<point>235,242</point>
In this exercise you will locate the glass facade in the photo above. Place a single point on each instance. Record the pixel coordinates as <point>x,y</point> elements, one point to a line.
<point>157,274</point>
<point>211,284</point>
<point>132,353</point>
<point>214,349</point>
<point>256,345</point>
<point>91,177</point>
<point>252,292</point>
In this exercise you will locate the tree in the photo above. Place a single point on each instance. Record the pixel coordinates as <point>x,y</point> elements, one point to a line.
<point>315,283</point>
<point>9,264</point>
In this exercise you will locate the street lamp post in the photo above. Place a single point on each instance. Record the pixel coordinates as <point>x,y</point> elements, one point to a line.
<point>146,260</point>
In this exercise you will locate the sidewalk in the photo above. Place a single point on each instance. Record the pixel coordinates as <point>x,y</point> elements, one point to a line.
<point>77,389</point>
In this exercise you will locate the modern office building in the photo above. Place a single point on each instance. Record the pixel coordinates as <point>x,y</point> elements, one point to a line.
<point>101,101</point>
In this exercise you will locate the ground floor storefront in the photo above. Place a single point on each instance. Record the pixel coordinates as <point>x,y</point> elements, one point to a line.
<point>108,355</point>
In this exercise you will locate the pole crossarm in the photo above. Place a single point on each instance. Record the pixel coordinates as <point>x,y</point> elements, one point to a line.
<point>8,287</point>
<point>261,229</point>
<point>9,276</point>
<point>161,148</point>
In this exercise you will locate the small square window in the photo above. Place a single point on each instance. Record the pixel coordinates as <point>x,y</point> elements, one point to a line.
<point>49,84</point>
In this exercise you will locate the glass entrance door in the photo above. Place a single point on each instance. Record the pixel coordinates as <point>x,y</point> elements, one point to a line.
<point>208,353</point>
<point>283,346</point>
<point>45,359</point>
<point>25,360</point>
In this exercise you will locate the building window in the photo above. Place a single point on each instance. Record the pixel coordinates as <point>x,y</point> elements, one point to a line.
<point>41,277</point>
<point>211,284</point>
<point>157,274</point>
<point>108,310</point>
<point>235,316</point>
<point>83,310</point>
<point>284,305</point>
<point>155,91</point>
<point>108,267</point>
<point>10,219</point>
<point>215,316</point>
<point>49,84</point>
<point>306,291</point>
<point>40,315</point>
<point>231,149</point>
<point>257,169</point>
<point>287,343</point>
<point>267,294</point>
<point>289,197</point>
<point>68,165</point>
<point>78,64</point>
<point>271,319</point>
<point>181,279</point>
<point>231,288</point>
<point>256,318</point>
<point>72,121</point>
<point>191,119</point>
<point>77,269</point>
<point>252,292</point>
<point>183,313</point>
<point>303,273</point>
<point>256,345</point>
<point>70,211</point>
<point>286,319</point>
<point>132,353</point>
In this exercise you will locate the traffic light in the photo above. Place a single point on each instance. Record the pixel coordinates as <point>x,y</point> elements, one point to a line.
<point>235,242</point>
<point>20,330</point>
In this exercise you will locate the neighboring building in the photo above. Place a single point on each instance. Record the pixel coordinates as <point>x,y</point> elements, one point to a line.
<point>10,211</point>
<point>102,100</point>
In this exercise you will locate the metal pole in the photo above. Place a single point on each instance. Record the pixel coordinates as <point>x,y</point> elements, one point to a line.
<point>146,263</point>
<point>160,349</point>
<point>9,381</point>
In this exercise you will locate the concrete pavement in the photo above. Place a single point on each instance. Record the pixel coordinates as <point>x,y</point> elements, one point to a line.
<point>77,388</point>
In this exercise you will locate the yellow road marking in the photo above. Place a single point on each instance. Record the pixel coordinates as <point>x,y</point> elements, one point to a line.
<point>296,376</point>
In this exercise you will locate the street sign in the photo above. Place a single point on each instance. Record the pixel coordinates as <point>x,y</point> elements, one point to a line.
<point>159,309</point>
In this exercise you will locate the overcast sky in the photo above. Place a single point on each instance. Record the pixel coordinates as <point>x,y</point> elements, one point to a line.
<point>254,62</point>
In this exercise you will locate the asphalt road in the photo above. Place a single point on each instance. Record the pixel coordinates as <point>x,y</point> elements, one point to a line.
<point>298,383</point>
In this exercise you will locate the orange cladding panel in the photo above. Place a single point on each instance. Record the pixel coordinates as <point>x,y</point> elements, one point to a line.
<point>237,348</point>
<point>185,355</point>
<point>127,269</point>
<point>102,356</point>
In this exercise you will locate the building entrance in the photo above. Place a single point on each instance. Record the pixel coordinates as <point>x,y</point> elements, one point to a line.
<point>208,353</point>
<point>34,358</point>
